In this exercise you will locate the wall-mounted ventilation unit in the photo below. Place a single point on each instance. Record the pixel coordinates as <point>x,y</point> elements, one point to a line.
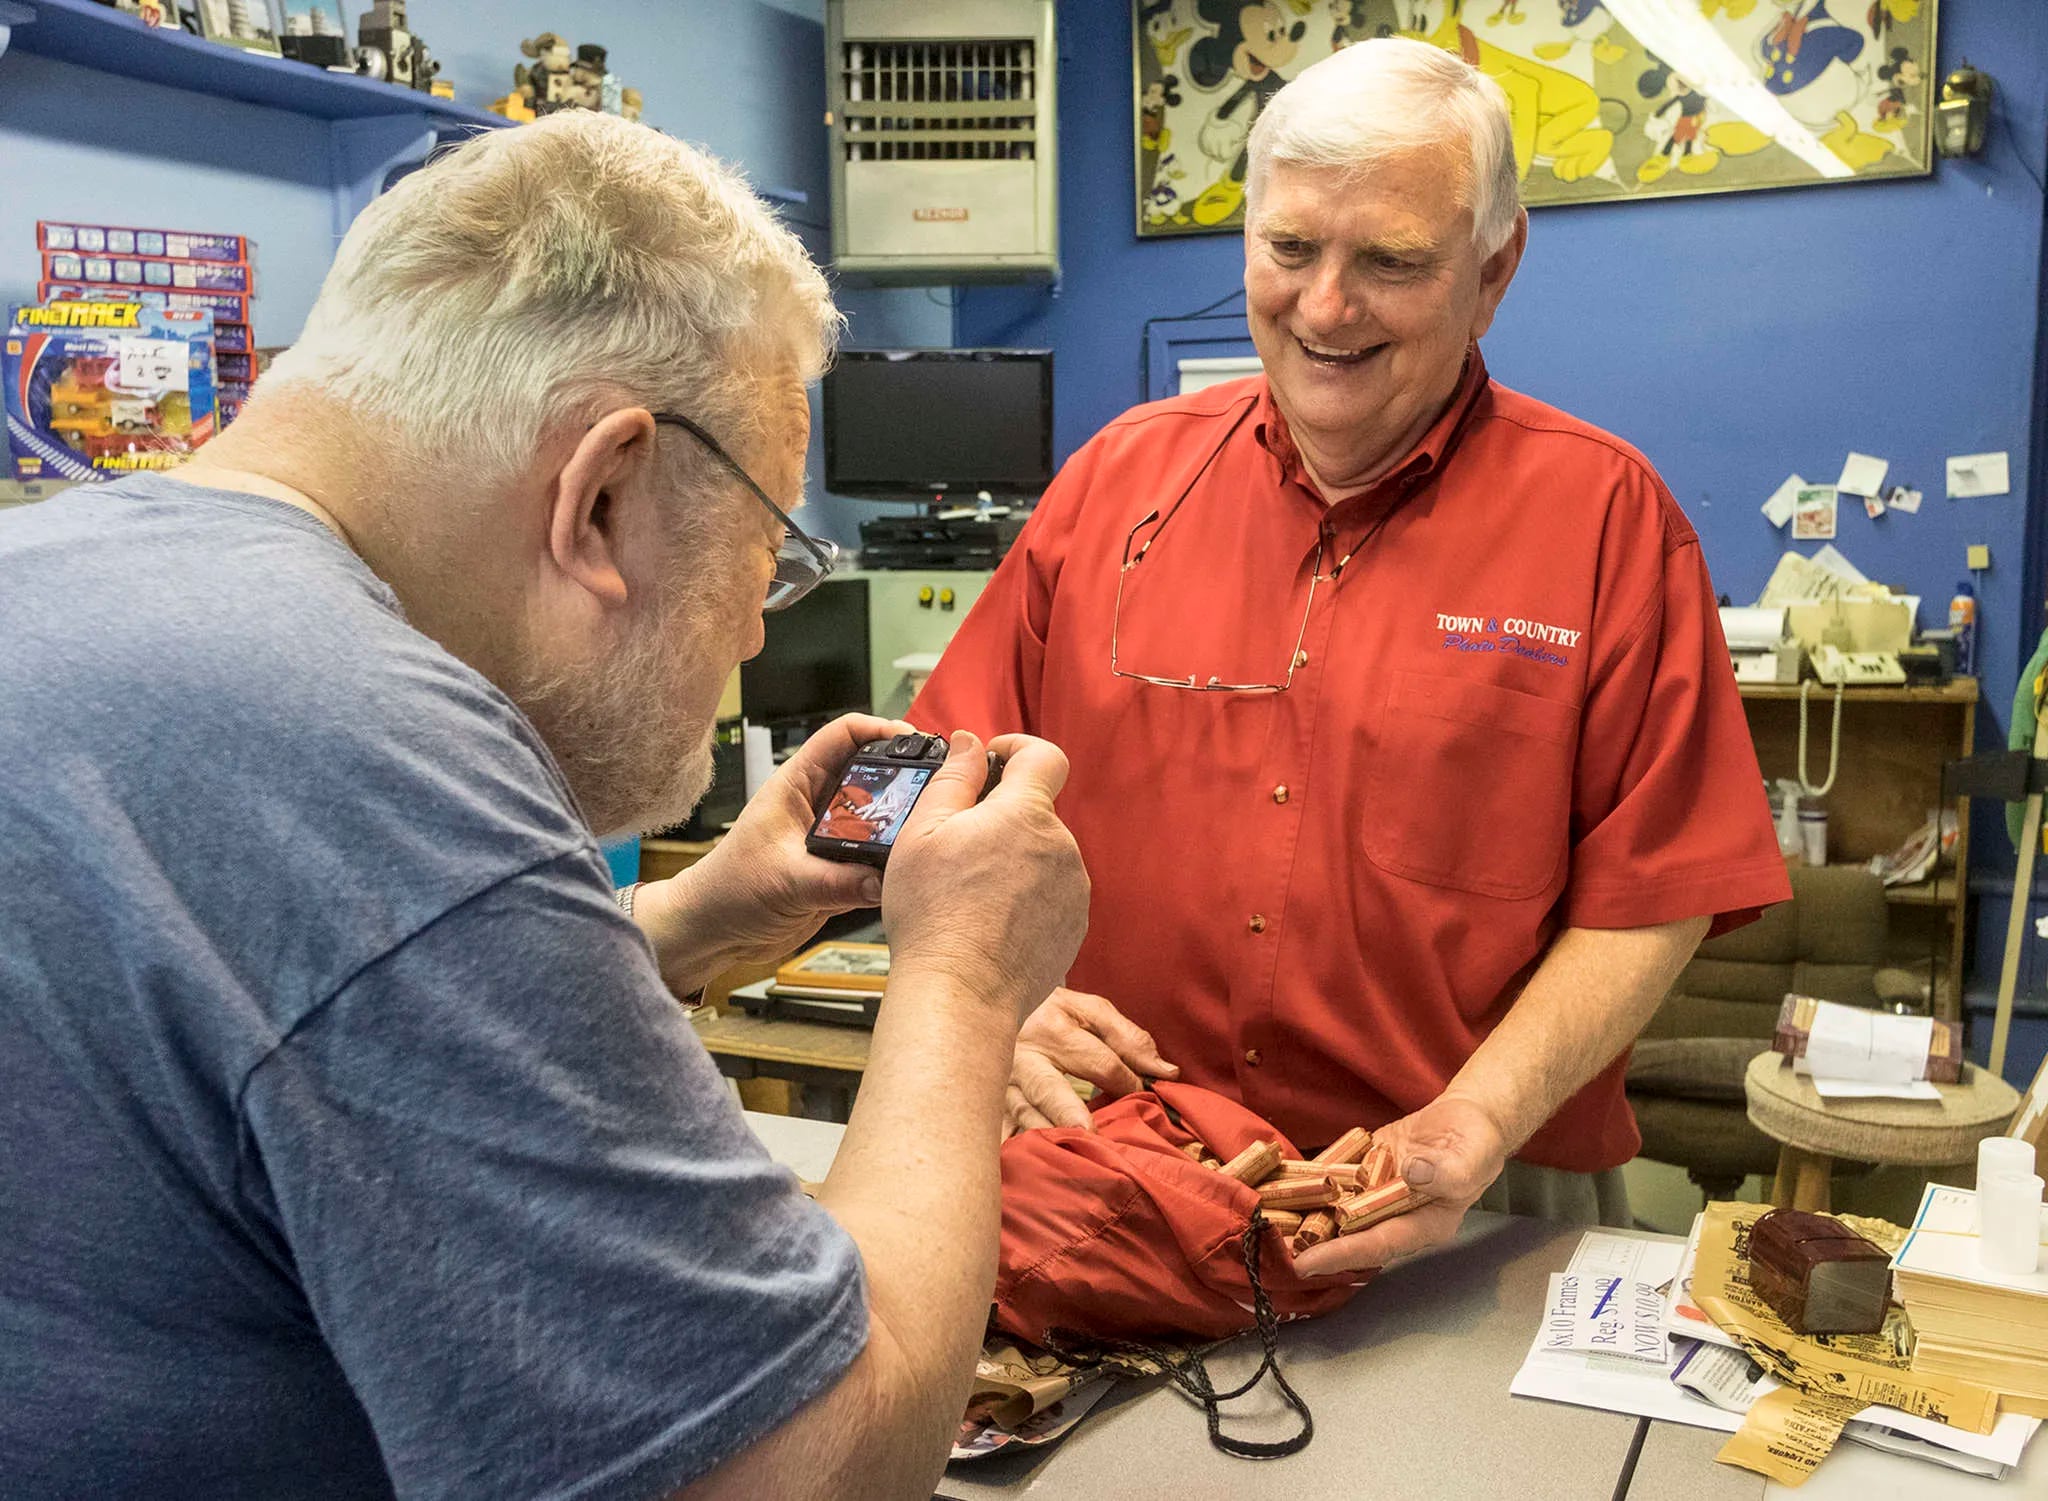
<point>943,139</point>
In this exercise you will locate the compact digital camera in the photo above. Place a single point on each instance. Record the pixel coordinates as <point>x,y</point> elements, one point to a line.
<point>881,784</point>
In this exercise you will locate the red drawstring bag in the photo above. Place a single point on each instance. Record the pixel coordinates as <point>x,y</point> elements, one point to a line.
<point>1116,1237</point>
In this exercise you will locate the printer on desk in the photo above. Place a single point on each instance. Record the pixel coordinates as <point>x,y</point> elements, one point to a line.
<point>1760,644</point>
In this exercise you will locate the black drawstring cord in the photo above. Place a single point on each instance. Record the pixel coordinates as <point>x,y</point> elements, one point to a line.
<point>1188,1371</point>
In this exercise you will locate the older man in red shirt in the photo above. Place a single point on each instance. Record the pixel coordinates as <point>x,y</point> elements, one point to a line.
<point>1407,760</point>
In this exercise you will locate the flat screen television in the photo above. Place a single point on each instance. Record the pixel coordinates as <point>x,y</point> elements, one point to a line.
<point>924,424</point>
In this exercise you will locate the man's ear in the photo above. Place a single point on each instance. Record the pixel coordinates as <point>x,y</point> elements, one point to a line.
<point>1497,270</point>
<point>583,524</point>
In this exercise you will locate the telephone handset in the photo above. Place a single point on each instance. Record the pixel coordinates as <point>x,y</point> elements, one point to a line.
<point>1856,669</point>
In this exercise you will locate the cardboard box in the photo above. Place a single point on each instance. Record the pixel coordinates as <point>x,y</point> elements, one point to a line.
<point>97,390</point>
<point>1944,1044</point>
<point>2030,1121</point>
<point>140,271</point>
<point>170,244</point>
<point>232,307</point>
<point>1872,624</point>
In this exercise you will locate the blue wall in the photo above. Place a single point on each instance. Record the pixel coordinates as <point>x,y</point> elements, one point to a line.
<point>84,146</point>
<point>743,78</point>
<point>1732,338</point>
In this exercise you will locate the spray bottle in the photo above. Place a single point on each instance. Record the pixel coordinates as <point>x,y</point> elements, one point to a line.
<point>1791,841</point>
<point>1962,619</point>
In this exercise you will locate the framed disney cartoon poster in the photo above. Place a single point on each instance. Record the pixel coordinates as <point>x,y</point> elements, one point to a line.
<point>1611,99</point>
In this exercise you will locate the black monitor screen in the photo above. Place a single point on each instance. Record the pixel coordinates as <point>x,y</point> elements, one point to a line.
<point>814,662</point>
<point>903,423</point>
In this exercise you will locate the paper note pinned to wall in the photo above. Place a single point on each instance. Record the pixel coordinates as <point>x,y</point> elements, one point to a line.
<point>1862,474</point>
<point>1813,514</point>
<point>1977,474</point>
<point>1778,509</point>
<point>1902,498</point>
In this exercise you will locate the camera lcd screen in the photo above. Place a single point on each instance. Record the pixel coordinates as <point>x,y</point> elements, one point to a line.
<point>871,805</point>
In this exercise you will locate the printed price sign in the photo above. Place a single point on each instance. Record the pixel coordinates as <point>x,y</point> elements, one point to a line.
<point>1604,1315</point>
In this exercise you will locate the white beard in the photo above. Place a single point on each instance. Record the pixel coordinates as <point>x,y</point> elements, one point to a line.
<point>636,759</point>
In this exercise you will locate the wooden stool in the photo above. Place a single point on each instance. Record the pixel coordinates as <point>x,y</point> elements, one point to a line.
<point>1812,1132</point>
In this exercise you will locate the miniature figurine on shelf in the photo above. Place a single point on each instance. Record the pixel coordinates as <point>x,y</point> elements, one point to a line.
<point>151,12</point>
<point>513,107</point>
<point>586,77</point>
<point>561,79</point>
<point>543,86</point>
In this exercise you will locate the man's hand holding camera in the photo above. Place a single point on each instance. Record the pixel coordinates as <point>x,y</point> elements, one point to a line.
<point>759,894</point>
<point>989,891</point>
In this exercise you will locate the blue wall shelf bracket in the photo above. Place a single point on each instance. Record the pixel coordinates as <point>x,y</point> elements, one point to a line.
<point>366,152</point>
<point>370,153</point>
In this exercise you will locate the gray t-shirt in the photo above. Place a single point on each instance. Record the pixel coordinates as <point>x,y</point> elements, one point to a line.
<point>349,1143</point>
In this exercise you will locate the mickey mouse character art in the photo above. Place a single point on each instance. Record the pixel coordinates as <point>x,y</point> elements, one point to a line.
<point>1252,44</point>
<point>1682,139</point>
<point>1899,75</point>
<point>1161,95</point>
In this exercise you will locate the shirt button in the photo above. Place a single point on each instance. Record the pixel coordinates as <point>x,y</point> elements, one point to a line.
<point>1254,1057</point>
<point>1301,659</point>
<point>1258,922</point>
<point>1280,793</point>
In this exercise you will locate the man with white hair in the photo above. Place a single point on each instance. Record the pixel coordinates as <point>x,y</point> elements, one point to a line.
<point>1407,755</point>
<point>354,1144</point>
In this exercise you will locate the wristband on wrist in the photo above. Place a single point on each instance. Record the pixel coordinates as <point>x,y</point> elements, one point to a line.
<point>624,897</point>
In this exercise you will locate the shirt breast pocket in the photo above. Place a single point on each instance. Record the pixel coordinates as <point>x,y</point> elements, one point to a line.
<point>1471,786</point>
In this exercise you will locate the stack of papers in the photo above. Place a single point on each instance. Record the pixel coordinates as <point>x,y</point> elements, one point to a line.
<point>1984,1327</point>
<point>1827,575</point>
<point>1699,1355</point>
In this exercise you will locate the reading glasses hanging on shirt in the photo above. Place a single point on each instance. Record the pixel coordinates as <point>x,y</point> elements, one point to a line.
<point>1193,682</point>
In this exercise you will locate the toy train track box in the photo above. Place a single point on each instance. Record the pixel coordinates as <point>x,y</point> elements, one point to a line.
<point>98,390</point>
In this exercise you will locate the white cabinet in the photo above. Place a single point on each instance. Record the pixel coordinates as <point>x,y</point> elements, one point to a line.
<point>912,613</point>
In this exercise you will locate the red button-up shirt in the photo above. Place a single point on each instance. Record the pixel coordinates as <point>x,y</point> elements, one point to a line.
<point>1511,710</point>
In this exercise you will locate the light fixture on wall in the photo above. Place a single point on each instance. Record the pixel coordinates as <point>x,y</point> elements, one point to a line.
<point>1964,113</point>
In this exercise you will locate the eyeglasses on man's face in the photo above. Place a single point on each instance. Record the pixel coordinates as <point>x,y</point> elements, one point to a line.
<point>802,561</point>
